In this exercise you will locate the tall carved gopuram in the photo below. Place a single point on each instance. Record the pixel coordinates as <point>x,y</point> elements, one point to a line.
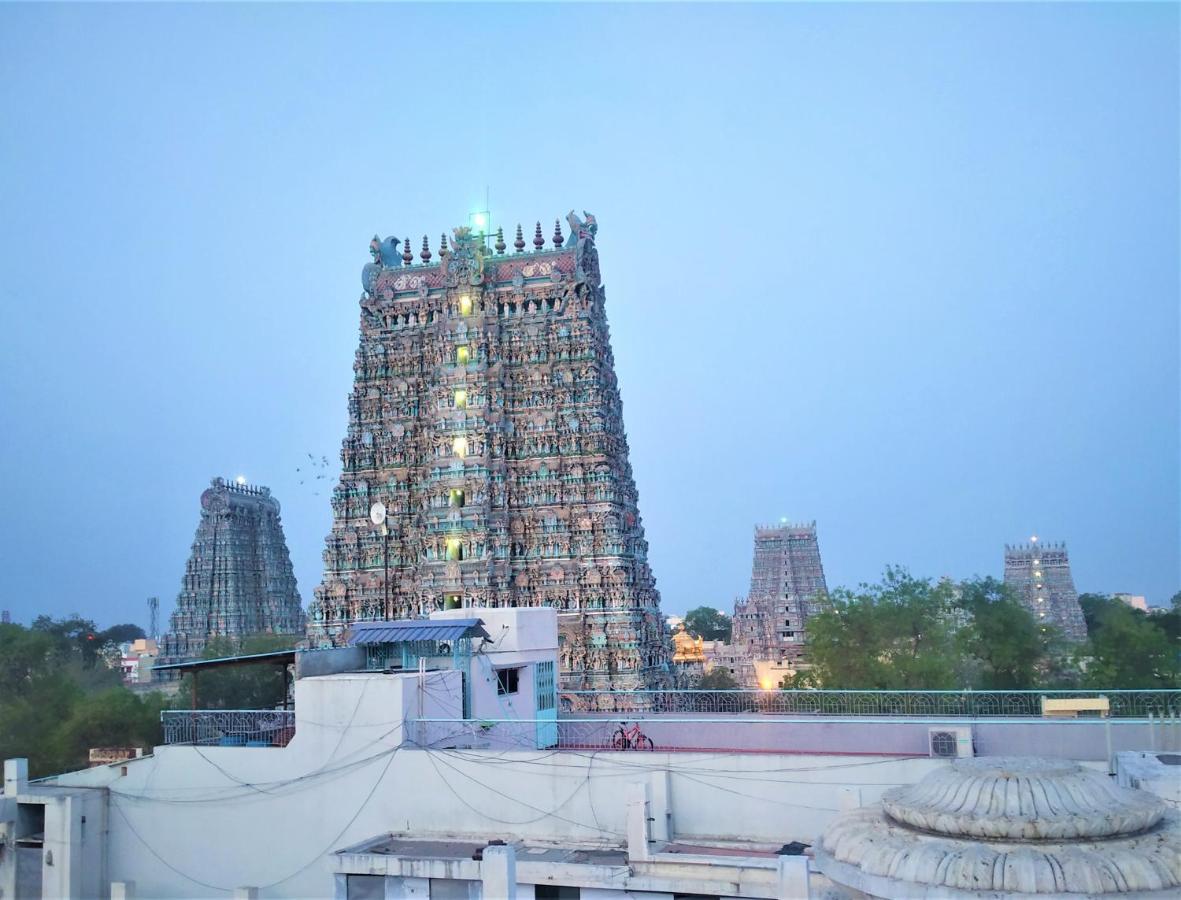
<point>485,418</point>
<point>238,580</point>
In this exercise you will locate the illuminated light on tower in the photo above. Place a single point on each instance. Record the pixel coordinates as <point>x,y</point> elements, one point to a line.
<point>240,480</point>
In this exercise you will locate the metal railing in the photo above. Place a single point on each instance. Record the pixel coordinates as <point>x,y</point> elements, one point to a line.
<point>1059,738</point>
<point>228,727</point>
<point>970,704</point>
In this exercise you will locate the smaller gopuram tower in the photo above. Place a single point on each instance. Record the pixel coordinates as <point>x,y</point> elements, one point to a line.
<point>1039,575</point>
<point>238,580</point>
<point>786,580</point>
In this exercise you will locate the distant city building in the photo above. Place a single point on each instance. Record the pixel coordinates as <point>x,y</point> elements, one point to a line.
<point>486,462</point>
<point>1135,601</point>
<point>1039,574</point>
<point>137,659</point>
<point>238,580</point>
<point>5,617</point>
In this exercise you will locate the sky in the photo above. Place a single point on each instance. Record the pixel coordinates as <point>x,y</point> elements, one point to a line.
<point>907,271</point>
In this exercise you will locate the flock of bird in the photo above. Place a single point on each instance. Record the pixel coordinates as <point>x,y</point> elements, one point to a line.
<point>314,470</point>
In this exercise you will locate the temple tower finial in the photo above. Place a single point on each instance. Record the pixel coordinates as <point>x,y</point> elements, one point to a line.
<point>500,244</point>
<point>519,243</point>
<point>538,240</point>
<point>558,234</point>
<point>425,253</point>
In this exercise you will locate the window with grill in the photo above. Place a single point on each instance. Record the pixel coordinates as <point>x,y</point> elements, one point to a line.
<point>507,680</point>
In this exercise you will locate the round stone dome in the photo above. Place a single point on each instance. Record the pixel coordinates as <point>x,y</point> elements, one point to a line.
<point>1007,828</point>
<point>1022,798</point>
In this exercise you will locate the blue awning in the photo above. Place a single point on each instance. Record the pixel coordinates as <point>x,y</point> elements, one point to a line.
<point>400,632</point>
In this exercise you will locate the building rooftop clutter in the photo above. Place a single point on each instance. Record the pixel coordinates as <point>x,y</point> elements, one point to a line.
<point>364,633</point>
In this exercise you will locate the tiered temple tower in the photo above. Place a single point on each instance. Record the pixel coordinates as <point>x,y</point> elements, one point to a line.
<point>238,580</point>
<point>1040,576</point>
<point>786,581</point>
<point>486,439</point>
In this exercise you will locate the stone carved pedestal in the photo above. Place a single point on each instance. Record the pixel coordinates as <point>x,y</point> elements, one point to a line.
<point>1007,828</point>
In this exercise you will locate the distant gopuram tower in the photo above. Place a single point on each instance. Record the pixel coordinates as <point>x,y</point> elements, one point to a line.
<point>786,582</point>
<point>1039,575</point>
<point>238,580</point>
<point>485,462</point>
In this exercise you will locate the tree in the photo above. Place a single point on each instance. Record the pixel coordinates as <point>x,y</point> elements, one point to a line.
<point>47,681</point>
<point>76,632</point>
<point>1128,650</point>
<point>113,718</point>
<point>1170,621</point>
<point>895,635</point>
<point>709,624</point>
<point>120,634</point>
<point>258,686</point>
<point>718,679</point>
<point>1001,636</point>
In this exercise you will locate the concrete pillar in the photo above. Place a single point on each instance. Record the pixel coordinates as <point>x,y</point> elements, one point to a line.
<point>122,890</point>
<point>62,873</point>
<point>792,878</point>
<point>638,833</point>
<point>245,893</point>
<point>16,776</point>
<point>660,790</point>
<point>498,873</point>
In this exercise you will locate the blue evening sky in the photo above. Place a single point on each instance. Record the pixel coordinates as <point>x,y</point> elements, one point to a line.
<point>909,271</point>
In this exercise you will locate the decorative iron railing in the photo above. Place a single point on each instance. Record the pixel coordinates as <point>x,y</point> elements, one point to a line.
<point>228,727</point>
<point>970,704</point>
<point>891,735</point>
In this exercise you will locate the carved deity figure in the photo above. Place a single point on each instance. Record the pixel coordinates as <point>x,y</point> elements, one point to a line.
<point>385,255</point>
<point>586,257</point>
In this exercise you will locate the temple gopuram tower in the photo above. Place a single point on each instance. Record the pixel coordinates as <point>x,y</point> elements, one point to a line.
<point>238,580</point>
<point>485,462</point>
<point>786,582</point>
<point>1039,575</point>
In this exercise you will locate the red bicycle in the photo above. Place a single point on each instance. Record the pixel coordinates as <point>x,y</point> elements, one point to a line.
<point>631,738</point>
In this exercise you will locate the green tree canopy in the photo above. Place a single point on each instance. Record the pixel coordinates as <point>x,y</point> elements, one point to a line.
<point>1126,648</point>
<point>50,690</point>
<point>899,634</point>
<point>258,686</point>
<point>717,679</point>
<point>1001,636</point>
<point>708,623</point>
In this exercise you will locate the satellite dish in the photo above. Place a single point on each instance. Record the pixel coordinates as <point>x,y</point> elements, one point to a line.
<point>377,513</point>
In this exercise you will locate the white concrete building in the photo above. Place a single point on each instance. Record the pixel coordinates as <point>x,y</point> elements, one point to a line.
<point>380,786</point>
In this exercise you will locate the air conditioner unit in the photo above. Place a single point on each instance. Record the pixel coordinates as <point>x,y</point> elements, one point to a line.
<point>950,743</point>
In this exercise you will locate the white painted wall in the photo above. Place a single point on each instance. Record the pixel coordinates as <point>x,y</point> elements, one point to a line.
<point>272,817</point>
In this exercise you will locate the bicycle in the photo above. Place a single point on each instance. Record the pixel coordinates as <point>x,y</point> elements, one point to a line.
<point>631,738</point>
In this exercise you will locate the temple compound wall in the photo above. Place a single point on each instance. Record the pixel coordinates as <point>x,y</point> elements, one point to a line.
<point>238,580</point>
<point>1039,575</point>
<point>485,462</point>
